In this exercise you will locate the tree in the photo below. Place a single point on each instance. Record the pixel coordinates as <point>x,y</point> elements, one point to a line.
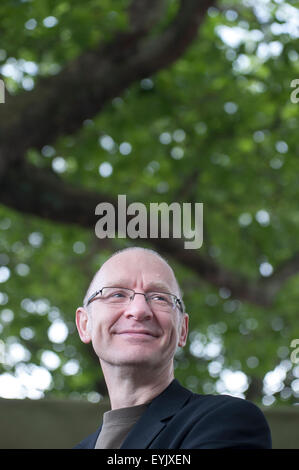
<point>169,101</point>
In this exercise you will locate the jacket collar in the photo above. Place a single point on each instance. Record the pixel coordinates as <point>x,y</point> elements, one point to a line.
<point>154,419</point>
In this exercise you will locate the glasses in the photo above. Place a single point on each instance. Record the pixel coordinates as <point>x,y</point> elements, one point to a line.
<point>158,301</point>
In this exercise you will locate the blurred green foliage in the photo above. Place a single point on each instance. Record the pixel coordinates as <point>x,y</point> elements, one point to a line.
<point>217,127</point>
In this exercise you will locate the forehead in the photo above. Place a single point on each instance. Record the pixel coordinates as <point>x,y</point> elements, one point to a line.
<point>137,267</point>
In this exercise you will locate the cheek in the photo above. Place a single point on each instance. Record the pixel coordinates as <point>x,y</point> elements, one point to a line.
<point>171,329</point>
<point>95,328</point>
<point>101,324</point>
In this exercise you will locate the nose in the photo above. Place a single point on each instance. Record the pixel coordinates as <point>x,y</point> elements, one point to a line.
<point>139,308</point>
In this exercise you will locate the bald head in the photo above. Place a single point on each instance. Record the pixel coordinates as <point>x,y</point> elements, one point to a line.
<point>123,265</point>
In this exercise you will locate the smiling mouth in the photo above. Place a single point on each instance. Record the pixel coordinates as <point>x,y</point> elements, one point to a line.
<point>137,333</point>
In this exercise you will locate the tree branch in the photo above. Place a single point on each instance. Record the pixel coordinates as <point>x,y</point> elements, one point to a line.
<point>42,193</point>
<point>144,14</point>
<point>283,273</point>
<point>59,104</point>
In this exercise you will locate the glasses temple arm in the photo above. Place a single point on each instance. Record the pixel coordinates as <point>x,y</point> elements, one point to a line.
<point>93,296</point>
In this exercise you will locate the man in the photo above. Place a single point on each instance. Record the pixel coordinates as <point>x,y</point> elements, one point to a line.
<point>134,316</point>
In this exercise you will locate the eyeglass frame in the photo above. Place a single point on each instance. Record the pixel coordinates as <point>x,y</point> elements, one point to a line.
<point>177,300</point>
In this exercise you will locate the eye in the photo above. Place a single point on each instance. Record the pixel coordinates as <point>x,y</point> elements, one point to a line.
<point>118,295</point>
<point>157,297</point>
<point>114,294</point>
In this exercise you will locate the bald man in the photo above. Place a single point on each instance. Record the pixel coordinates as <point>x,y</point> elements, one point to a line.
<point>134,315</point>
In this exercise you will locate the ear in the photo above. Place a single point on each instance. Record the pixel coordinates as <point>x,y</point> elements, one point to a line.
<point>183,330</point>
<point>83,324</point>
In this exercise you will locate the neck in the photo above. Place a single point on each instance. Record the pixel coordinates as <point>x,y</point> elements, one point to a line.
<point>130,387</point>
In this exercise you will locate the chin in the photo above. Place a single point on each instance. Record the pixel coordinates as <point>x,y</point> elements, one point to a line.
<point>133,361</point>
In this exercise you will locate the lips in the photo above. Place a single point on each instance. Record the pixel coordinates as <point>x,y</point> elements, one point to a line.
<point>136,332</point>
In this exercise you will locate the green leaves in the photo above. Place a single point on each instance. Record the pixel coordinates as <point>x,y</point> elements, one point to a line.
<point>216,127</point>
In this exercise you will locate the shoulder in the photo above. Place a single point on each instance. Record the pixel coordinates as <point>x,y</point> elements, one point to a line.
<point>181,402</point>
<point>224,406</point>
<point>225,420</point>
<point>221,401</point>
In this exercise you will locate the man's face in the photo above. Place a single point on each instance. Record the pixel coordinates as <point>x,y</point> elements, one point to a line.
<point>133,334</point>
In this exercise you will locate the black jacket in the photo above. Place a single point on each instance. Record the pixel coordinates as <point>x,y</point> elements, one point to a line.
<point>180,419</point>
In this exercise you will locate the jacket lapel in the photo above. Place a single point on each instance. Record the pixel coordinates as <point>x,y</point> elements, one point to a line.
<point>155,417</point>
